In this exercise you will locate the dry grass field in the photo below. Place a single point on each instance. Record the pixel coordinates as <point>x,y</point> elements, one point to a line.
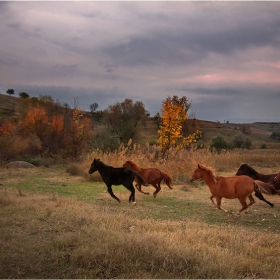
<point>57,225</point>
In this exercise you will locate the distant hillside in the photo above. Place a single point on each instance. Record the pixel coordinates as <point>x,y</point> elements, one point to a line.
<point>260,132</point>
<point>8,104</point>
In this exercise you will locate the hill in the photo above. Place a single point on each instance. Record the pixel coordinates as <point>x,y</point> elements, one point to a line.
<point>8,104</point>
<point>258,132</point>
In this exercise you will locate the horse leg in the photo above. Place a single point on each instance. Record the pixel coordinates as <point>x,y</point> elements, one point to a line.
<point>132,190</point>
<point>138,186</point>
<point>244,204</point>
<point>157,187</point>
<point>259,195</point>
<point>110,191</point>
<point>219,201</point>
<point>211,197</point>
<point>132,195</point>
<point>252,200</point>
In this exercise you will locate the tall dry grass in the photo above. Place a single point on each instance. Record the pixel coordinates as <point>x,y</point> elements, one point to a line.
<point>49,236</point>
<point>180,165</point>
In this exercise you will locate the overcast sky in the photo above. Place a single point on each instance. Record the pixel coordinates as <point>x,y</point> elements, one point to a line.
<point>223,56</point>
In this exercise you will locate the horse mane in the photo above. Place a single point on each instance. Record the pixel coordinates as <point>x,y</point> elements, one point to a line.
<point>211,172</point>
<point>249,168</point>
<point>133,165</point>
<point>101,162</point>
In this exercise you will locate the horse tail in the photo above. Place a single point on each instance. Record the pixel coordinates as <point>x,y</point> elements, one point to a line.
<point>141,179</point>
<point>265,188</point>
<point>167,179</point>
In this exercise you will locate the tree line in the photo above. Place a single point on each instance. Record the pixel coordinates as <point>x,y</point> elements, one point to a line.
<point>44,127</point>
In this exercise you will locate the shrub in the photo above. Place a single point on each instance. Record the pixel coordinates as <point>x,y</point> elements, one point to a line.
<point>263,146</point>
<point>247,143</point>
<point>219,143</point>
<point>275,135</point>
<point>74,169</point>
<point>239,141</point>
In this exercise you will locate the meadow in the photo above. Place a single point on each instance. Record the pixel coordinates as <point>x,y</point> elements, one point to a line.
<point>60,222</point>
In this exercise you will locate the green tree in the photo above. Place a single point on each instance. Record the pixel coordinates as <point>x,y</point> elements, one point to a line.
<point>125,119</point>
<point>23,94</point>
<point>93,107</point>
<point>10,91</point>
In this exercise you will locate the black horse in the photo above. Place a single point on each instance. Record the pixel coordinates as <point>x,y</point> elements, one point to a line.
<point>246,169</point>
<point>116,176</point>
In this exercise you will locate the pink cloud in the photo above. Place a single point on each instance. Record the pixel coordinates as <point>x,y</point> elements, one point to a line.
<point>259,77</point>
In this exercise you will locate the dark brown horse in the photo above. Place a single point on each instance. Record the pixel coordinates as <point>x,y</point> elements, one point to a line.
<point>116,176</point>
<point>246,169</point>
<point>152,176</point>
<point>240,187</point>
<point>277,178</point>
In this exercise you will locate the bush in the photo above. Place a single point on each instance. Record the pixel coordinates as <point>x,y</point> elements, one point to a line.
<point>239,141</point>
<point>263,146</point>
<point>248,143</point>
<point>219,143</point>
<point>275,135</point>
<point>74,169</point>
<point>104,140</point>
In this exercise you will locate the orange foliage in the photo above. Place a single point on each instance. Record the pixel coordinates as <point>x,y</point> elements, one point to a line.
<point>35,122</point>
<point>7,128</point>
<point>57,123</point>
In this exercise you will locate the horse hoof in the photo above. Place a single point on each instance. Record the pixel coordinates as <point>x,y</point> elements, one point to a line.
<point>134,203</point>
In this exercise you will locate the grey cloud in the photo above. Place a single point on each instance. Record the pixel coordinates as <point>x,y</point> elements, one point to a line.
<point>222,35</point>
<point>106,52</point>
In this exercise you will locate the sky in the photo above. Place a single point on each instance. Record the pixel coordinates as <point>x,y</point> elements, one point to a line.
<point>223,56</point>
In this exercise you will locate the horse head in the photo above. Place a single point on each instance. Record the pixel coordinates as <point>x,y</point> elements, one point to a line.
<point>197,174</point>
<point>94,165</point>
<point>201,172</point>
<point>246,169</point>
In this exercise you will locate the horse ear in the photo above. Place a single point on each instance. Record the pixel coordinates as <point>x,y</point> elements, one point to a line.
<point>199,166</point>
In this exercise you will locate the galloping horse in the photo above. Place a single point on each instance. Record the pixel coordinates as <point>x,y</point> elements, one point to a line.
<point>246,169</point>
<point>240,187</point>
<point>152,176</point>
<point>116,176</point>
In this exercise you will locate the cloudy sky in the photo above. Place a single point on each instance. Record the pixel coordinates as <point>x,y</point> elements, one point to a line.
<point>223,56</point>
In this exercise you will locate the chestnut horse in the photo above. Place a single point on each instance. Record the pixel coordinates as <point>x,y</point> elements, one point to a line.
<point>152,176</point>
<point>240,187</point>
<point>116,176</point>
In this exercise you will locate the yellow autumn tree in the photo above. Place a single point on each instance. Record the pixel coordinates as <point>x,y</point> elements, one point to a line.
<point>174,114</point>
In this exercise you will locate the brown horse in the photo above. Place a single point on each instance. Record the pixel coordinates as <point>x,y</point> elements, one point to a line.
<point>240,187</point>
<point>152,176</point>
